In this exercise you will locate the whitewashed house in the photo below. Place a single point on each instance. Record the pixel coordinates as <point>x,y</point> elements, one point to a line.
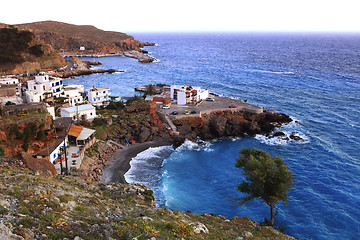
<point>185,94</point>
<point>43,87</point>
<point>10,91</point>
<point>98,96</point>
<point>74,93</point>
<point>55,152</point>
<point>77,112</point>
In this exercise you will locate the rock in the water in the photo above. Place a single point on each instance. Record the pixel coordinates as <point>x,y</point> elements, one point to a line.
<point>295,137</point>
<point>279,134</point>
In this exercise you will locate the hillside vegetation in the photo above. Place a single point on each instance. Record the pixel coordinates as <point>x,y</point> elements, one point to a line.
<point>64,207</point>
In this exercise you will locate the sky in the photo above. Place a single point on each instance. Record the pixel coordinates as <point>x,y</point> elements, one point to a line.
<point>192,15</point>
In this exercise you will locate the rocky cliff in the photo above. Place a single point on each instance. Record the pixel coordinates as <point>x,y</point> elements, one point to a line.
<point>31,132</point>
<point>68,38</point>
<point>228,124</point>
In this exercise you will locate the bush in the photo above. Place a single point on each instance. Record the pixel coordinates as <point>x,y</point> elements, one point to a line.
<point>115,105</point>
<point>98,121</point>
<point>41,135</point>
<point>2,151</point>
<point>29,133</point>
<point>25,146</point>
<point>149,195</point>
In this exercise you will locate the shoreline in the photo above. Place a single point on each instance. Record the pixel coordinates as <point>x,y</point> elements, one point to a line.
<point>120,162</point>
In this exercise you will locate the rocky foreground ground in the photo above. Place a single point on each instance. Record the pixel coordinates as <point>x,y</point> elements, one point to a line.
<point>64,207</point>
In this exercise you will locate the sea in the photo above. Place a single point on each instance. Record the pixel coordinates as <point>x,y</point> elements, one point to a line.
<point>312,77</point>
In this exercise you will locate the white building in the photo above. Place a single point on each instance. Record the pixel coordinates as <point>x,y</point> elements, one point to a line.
<point>98,96</point>
<point>42,87</point>
<point>74,93</point>
<point>12,82</point>
<point>55,152</point>
<point>77,111</point>
<point>9,81</point>
<point>185,94</point>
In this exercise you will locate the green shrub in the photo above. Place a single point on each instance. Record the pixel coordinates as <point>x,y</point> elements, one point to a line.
<point>25,146</point>
<point>41,135</point>
<point>149,195</point>
<point>2,151</point>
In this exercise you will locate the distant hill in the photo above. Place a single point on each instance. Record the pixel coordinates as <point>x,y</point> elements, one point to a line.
<point>78,31</point>
<point>68,38</point>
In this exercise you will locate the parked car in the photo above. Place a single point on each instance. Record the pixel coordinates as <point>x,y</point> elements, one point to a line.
<point>193,112</point>
<point>186,112</point>
<point>174,113</point>
<point>165,106</point>
<point>232,106</point>
<point>210,99</point>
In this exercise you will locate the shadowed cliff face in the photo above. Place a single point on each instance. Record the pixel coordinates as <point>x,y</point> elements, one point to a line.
<point>33,56</point>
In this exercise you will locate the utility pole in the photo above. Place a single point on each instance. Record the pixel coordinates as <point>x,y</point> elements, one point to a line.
<point>66,163</point>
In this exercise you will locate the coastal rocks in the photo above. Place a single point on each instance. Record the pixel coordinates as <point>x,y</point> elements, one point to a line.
<point>144,134</point>
<point>140,56</point>
<point>91,168</point>
<point>228,124</point>
<point>285,136</point>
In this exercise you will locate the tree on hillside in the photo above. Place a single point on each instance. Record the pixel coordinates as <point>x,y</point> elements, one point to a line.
<point>267,178</point>
<point>150,90</point>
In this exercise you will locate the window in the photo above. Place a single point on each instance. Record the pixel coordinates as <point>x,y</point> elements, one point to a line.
<point>52,84</point>
<point>54,155</point>
<point>97,94</point>
<point>103,92</point>
<point>94,99</point>
<point>91,114</point>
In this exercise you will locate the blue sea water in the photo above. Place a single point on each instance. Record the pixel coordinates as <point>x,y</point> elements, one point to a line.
<point>314,78</point>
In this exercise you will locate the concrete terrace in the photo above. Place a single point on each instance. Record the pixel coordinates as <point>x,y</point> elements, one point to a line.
<point>219,103</point>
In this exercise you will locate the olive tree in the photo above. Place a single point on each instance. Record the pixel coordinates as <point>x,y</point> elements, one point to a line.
<point>267,178</point>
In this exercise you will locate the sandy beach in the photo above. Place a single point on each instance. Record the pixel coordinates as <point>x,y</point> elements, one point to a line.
<point>120,163</point>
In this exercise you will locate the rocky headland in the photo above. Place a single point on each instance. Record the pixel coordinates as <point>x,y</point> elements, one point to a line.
<point>85,40</point>
<point>227,123</point>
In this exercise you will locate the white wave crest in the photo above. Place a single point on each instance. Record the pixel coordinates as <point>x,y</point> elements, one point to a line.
<point>274,72</point>
<point>290,133</point>
<point>195,146</point>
